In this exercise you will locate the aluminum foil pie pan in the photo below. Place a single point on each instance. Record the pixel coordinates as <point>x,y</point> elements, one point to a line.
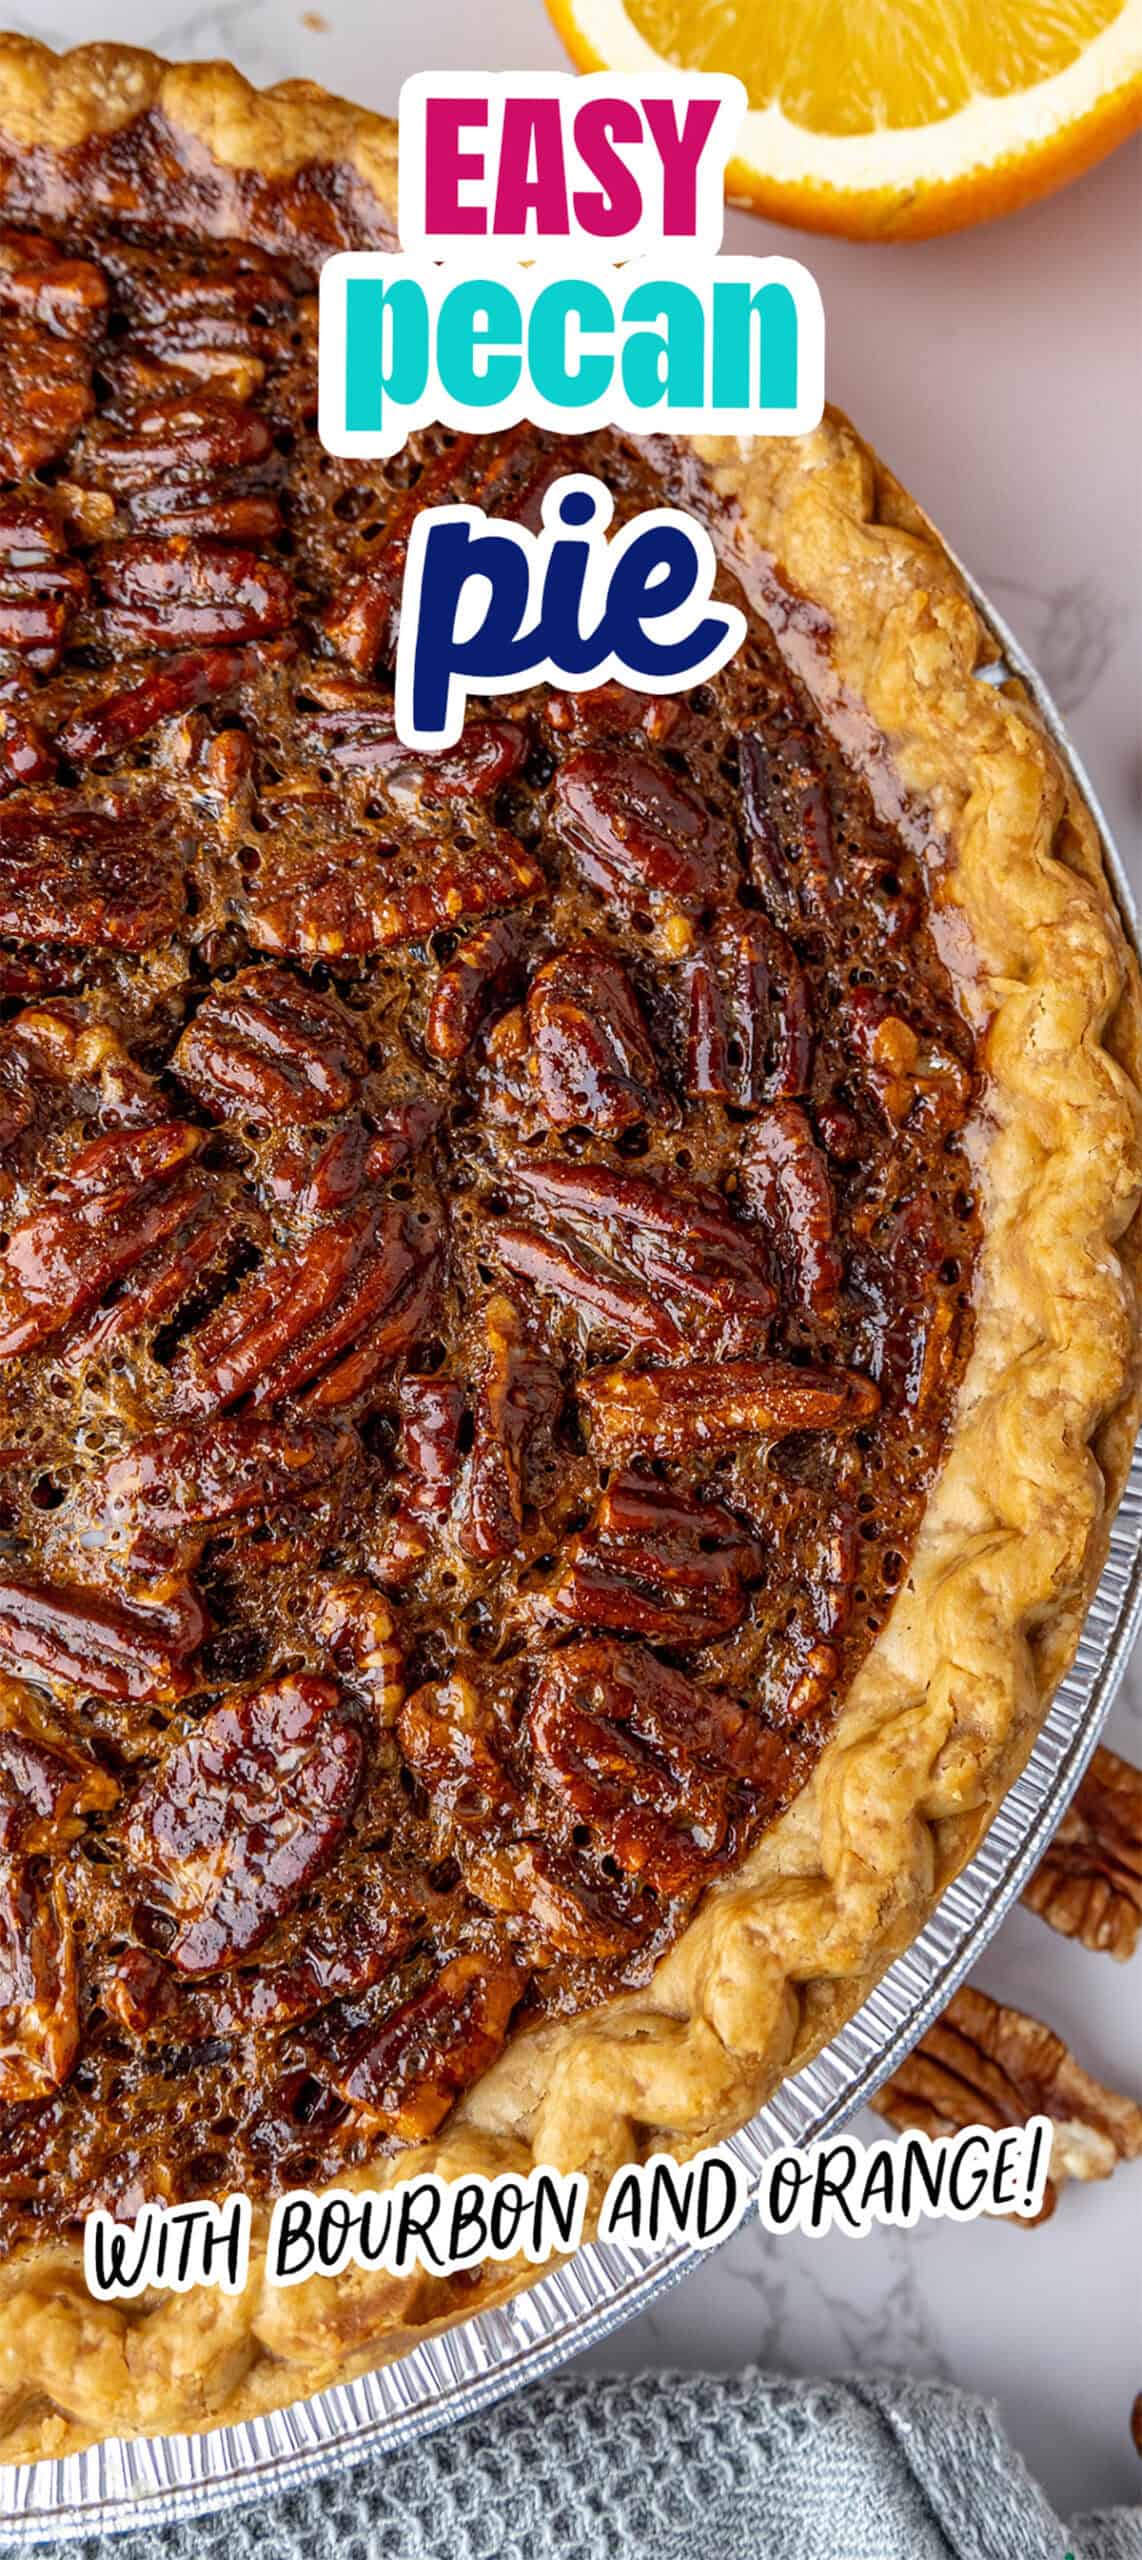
<point>119,2486</point>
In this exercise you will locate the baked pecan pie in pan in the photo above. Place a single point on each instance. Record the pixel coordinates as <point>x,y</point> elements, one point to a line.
<point>567,1333</point>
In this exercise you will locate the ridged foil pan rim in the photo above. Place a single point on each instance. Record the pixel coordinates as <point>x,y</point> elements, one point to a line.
<point>122,2486</point>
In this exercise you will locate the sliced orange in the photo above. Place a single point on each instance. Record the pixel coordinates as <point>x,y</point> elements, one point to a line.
<point>891,119</point>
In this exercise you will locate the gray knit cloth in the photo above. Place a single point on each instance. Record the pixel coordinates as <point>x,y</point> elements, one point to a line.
<point>673,2467</point>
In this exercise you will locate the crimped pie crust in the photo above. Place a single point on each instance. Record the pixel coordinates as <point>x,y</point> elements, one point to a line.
<point>943,1712</point>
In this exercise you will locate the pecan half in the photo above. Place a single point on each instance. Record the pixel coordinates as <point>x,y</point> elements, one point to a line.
<point>748,1035</point>
<point>216,324</point>
<point>633,829</point>
<point>613,711</point>
<point>802,1660</point>
<point>147,1998</point>
<point>52,308</point>
<point>68,296</point>
<point>241,1815</point>
<point>353,726</point>
<point>486,968</point>
<point>244,519</point>
<point>711,1405</point>
<point>486,755</point>
<point>326,1319</point>
<point>785,1186</point>
<point>122,1196</point>
<point>85,1641</point>
<point>983,2063</point>
<point>562,1270</point>
<point>355,902</point>
<point>658,1564</point>
<point>316,1175</point>
<point>39,1995</point>
<point>400,1133</point>
<point>161,1281</point>
<point>452,1742</point>
<point>357,1624</point>
<point>404,2075</point>
<point>103,729</point>
<point>918,1338</point>
<point>908,1069</point>
<point>188,437</point>
<point>364,619</point>
<point>789,827</point>
<point>103,878</point>
<point>658,1264</point>
<point>182,593</point>
<point>648,1760</point>
<point>158,1503</point>
<point>590,1054</point>
<point>561,1902</point>
<point>41,586</point>
<point>431,1411</point>
<point>269,1049</point>
<point>518,1398</point>
<point>1089,1884</point>
<point>48,1782</point>
<point>27,760</point>
<point>56,1066</point>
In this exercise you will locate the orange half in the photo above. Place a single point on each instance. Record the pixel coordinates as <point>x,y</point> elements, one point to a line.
<point>889,121</point>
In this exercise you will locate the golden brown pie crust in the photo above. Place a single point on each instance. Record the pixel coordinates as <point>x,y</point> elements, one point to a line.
<point>944,1709</point>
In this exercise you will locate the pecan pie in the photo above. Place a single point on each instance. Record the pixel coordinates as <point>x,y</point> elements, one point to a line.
<point>567,1334</point>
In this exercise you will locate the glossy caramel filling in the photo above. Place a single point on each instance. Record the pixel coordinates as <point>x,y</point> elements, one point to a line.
<point>487,1245</point>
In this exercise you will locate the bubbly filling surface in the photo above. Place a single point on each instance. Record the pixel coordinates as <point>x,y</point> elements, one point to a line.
<point>485,1267</point>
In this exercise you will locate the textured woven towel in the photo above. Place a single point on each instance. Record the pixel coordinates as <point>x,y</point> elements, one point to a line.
<point>672,2467</point>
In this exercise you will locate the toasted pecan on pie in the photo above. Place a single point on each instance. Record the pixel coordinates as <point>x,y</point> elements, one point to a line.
<point>560,1479</point>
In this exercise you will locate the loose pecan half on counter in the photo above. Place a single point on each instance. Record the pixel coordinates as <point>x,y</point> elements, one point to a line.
<point>1089,1884</point>
<point>984,2063</point>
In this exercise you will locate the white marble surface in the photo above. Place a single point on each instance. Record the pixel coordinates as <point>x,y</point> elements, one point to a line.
<point>1001,374</point>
